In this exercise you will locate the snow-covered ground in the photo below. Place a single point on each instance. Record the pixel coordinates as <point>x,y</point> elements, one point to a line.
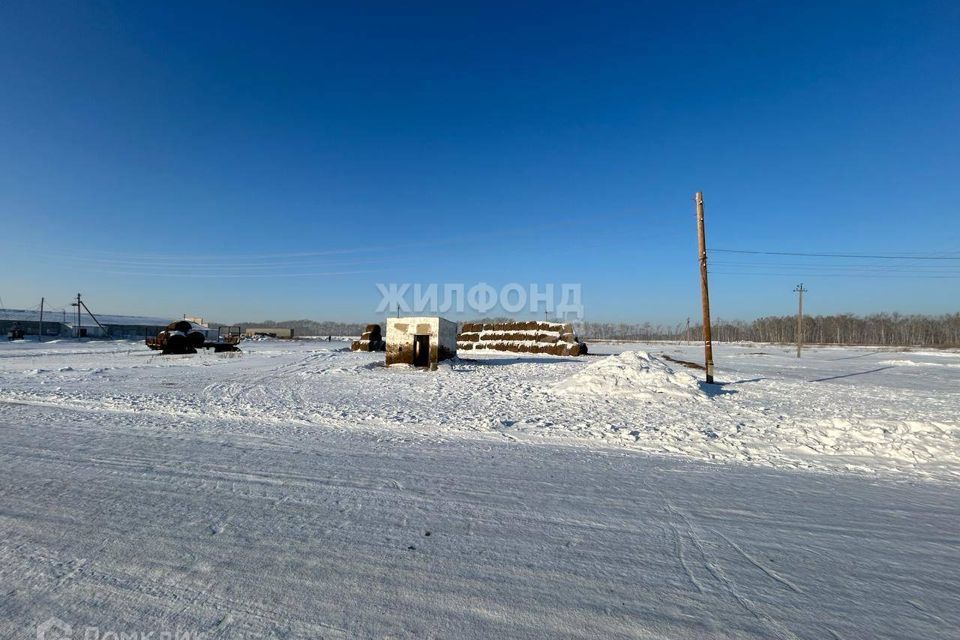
<point>302,490</point>
<point>862,410</point>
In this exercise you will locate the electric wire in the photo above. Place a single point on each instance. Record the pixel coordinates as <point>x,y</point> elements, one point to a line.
<point>836,255</point>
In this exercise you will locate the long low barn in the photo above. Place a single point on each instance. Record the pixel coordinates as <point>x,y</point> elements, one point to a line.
<point>63,324</point>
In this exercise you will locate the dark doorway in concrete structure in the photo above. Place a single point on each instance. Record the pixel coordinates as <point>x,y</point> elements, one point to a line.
<point>421,351</point>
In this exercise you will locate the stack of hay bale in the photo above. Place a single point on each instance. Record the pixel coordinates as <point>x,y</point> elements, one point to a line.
<point>554,338</point>
<point>371,340</point>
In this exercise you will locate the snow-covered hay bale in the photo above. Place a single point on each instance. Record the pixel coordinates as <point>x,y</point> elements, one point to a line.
<point>177,343</point>
<point>370,340</point>
<point>183,326</point>
<point>632,373</point>
<point>532,336</point>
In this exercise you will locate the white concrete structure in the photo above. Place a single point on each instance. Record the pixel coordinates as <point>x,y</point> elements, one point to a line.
<point>420,341</point>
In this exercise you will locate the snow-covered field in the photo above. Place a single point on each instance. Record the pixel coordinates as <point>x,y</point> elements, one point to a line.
<point>862,410</point>
<point>302,490</point>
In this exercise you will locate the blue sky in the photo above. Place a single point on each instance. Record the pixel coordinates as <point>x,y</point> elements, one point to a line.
<point>247,161</point>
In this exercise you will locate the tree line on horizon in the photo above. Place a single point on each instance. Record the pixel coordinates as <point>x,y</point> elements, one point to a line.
<point>882,329</point>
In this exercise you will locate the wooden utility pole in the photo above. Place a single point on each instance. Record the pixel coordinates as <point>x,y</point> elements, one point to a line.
<point>800,291</point>
<point>688,331</point>
<point>77,305</point>
<point>704,292</point>
<point>40,331</point>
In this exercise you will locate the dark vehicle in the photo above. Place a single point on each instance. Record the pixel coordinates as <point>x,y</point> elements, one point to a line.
<point>182,337</point>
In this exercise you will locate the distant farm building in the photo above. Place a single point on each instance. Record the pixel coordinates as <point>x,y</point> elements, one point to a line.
<point>422,341</point>
<point>535,336</point>
<point>63,324</point>
<point>268,332</point>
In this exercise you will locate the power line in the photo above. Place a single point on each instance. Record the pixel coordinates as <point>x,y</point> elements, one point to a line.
<point>845,268</point>
<point>243,275</point>
<point>790,274</point>
<point>759,262</point>
<point>389,250</point>
<point>836,255</point>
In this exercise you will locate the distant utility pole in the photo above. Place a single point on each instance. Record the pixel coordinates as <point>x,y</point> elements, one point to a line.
<point>77,305</point>
<point>704,291</point>
<point>40,332</point>
<point>688,330</point>
<point>800,291</point>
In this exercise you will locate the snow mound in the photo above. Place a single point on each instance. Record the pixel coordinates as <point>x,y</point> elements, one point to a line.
<point>915,363</point>
<point>632,373</point>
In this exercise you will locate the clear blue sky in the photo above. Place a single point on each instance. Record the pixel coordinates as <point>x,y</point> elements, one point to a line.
<point>168,157</point>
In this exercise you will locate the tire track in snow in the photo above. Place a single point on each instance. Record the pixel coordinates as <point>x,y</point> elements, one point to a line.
<point>919,607</point>
<point>773,575</point>
<point>678,551</point>
<point>728,584</point>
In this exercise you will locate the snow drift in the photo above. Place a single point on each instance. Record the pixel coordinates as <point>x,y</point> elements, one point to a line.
<point>632,373</point>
